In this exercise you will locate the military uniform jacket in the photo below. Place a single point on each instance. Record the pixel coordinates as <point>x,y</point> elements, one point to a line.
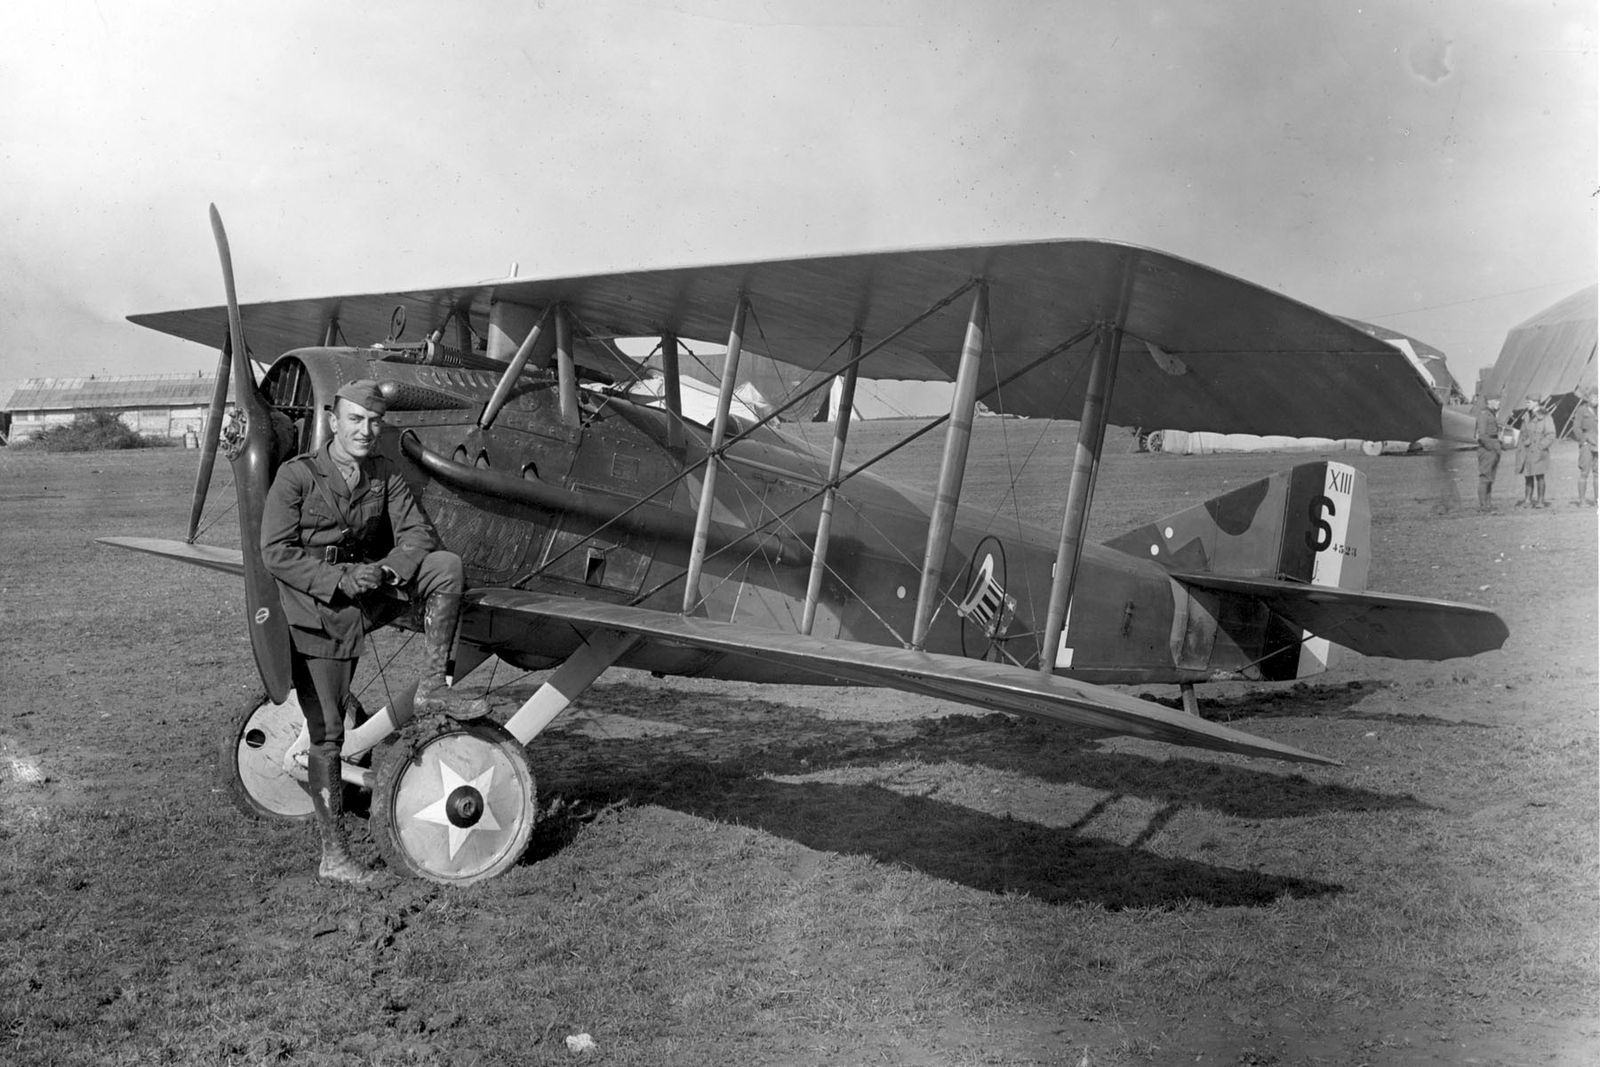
<point>1586,428</point>
<point>310,510</point>
<point>1533,445</point>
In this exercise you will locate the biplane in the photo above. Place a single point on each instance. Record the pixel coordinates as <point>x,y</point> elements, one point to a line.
<point>599,528</point>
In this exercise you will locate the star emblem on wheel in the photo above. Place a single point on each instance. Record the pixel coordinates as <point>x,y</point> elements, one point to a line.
<point>461,807</point>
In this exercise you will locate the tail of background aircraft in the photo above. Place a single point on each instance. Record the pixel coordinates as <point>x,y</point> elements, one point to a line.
<point>1240,557</point>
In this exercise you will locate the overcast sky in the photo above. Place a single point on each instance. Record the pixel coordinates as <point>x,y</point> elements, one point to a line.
<point>1430,167</point>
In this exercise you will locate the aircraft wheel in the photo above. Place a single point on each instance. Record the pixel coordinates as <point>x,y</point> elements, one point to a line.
<point>455,805</point>
<point>252,760</point>
<point>1154,442</point>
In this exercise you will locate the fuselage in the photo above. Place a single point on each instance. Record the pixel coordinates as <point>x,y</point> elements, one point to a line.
<point>602,506</point>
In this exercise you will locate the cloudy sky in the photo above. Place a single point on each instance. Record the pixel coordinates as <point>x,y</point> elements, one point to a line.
<point>1428,166</point>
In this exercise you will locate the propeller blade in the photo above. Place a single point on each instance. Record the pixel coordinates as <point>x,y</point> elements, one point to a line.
<point>253,467</point>
<point>208,453</point>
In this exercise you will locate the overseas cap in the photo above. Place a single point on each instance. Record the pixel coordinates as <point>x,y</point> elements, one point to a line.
<point>364,392</point>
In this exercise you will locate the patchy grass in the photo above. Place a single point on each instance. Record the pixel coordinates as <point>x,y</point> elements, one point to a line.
<point>812,876</point>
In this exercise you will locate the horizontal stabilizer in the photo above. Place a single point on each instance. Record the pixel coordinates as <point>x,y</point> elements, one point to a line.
<point>1373,624</point>
<point>995,686</point>
<point>226,560</point>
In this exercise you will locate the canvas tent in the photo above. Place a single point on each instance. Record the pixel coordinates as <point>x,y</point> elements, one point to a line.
<point>1551,354</point>
<point>1428,360</point>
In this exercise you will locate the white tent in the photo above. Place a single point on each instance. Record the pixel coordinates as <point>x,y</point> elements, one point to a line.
<point>1551,354</point>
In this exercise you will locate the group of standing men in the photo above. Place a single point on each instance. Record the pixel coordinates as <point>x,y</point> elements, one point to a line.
<point>1531,432</point>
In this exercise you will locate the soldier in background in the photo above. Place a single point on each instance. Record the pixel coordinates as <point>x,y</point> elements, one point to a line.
<point>1487,432</point>
<point>1538,433</point>
<point>1583,426</point>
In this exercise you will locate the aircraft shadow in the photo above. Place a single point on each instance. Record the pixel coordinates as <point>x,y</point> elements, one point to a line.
<point>947,841</point>
<point>1309,701</point>
<point>1062,756</point>
<point>758,737</point>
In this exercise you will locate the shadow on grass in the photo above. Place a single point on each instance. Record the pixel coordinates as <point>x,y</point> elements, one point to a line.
<point>948,841</point>
<point>717,767</point>
<point>753,738</point>
<point>1306,701</point>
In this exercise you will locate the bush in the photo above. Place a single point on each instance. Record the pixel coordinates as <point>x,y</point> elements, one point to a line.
<point>93,431</point>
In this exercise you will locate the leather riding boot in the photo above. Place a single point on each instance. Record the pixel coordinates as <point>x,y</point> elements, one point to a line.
<point>440,615</point>
<point>327,806</point>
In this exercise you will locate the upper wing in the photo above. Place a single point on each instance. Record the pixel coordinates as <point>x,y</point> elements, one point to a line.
<point>226,560</point>
<point>1204,350</point>
<point>1374,624</point>
<point>987,685</point>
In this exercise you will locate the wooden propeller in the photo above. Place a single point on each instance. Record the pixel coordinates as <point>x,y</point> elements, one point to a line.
<point>255,460</point>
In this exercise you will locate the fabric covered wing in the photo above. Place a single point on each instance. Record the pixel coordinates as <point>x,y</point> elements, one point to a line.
<point>1374,624</point>
<point>226,560</point>
<point>986,685</point>
<point>1204,350</point>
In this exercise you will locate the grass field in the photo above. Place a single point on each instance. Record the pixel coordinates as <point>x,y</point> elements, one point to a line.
<point>732,874</point>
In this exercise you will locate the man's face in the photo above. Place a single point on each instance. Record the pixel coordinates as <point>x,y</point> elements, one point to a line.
<point>355,429</point>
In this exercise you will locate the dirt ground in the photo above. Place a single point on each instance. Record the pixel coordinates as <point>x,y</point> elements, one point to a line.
<point>732,874</point>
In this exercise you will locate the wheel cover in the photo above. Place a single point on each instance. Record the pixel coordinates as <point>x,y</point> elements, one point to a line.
<point>254,761</point>
<point>457,806</point>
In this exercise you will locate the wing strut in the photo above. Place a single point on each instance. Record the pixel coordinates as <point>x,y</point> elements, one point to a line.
<point>566,370</point>
<point>213,431</point>
<point>502,388</point>
<point>673,390</point>
<point>600,650</point>
<point>841,430</point>
<point>951,469</point>
<point>1080,491</point>
<point>702,519</point>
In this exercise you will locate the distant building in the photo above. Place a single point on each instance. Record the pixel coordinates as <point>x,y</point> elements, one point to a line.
<point>159,405</point>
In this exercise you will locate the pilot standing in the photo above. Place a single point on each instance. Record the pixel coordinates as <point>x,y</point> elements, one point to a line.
<point>348,544</point>
<point>1487,431</point>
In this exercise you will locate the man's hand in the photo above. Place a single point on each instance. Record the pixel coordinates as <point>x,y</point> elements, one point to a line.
<point>360,578</point>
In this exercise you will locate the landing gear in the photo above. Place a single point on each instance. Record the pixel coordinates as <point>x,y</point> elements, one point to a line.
<point>252,760</point>
<point>454,805</point>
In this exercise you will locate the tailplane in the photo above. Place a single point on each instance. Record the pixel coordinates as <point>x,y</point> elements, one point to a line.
<point>1309,527</point>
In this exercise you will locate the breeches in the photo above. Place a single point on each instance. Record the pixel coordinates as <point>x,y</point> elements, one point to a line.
<point>323,685</point>
<point>439,572</point>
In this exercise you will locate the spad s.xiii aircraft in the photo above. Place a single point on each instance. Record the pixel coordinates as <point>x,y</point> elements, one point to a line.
<point>598,529</point>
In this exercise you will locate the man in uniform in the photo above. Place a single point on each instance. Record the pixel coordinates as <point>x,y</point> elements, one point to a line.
<point>1534,439</point>
<point>1588,446</point>
<point>1487,431</point>
<point>348,545</point>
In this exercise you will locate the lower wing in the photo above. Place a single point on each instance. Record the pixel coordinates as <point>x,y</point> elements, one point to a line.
<point>997,686</point>
<point>1374,624</point>
<point>226,560</point>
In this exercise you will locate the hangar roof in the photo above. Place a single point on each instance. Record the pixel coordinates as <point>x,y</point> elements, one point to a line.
<point>124,391</point>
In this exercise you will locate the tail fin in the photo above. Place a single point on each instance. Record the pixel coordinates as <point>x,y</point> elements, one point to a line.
<point>1310,524</point>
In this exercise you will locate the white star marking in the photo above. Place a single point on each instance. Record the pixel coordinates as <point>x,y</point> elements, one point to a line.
<point>450,781</point>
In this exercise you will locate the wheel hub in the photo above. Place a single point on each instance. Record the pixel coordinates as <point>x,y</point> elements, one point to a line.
<point>464,807</point>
